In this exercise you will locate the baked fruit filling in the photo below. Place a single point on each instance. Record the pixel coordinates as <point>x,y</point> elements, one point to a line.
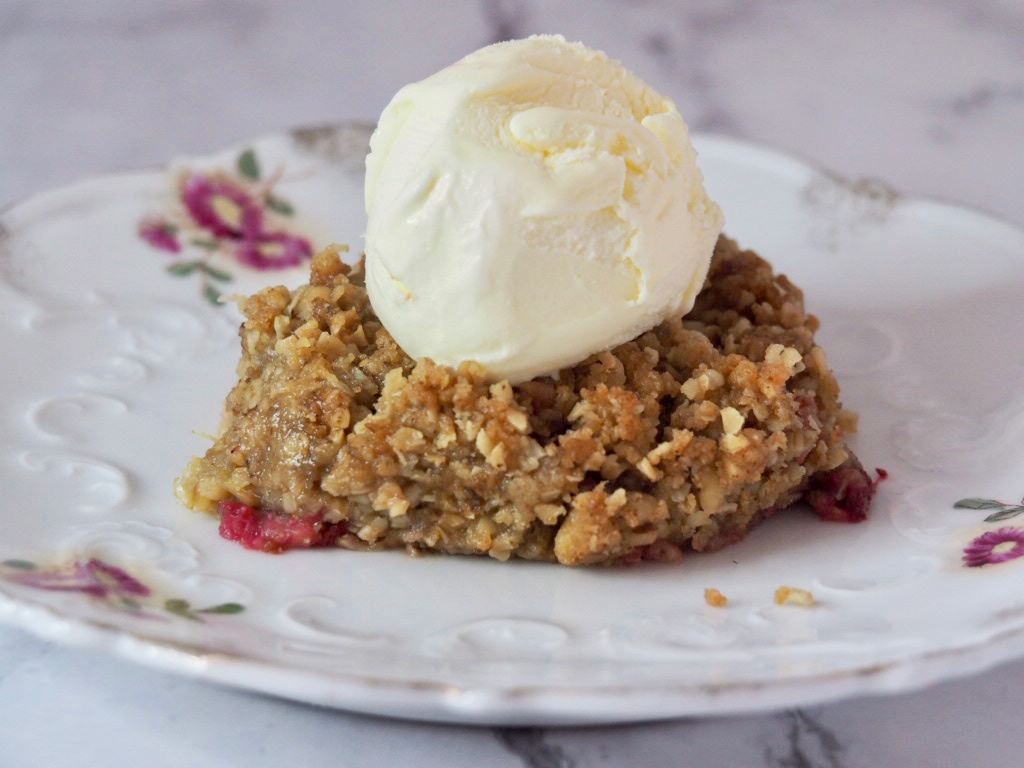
<point>684,437</point>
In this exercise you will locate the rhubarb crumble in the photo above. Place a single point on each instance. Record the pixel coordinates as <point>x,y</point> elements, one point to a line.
<point>683,438</point>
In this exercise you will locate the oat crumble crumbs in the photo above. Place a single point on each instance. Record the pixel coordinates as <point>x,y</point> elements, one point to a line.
<point>794,596</point>
<point>715,598</point>
<point>684,437</point>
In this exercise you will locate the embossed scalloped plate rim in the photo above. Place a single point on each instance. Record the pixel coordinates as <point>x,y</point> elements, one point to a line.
<point>426,700</point>
<point>790,212</point>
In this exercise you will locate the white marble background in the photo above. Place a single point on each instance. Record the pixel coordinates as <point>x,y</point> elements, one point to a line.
<point>926,95</point>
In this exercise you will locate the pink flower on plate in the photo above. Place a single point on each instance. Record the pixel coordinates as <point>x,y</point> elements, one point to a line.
<point>222,208</point>
<point>93,577</point>
<point>160,234</point>
<point>220,213</point>
<point>274,250</point>
<point>994,547</point>
<point>112,585</point>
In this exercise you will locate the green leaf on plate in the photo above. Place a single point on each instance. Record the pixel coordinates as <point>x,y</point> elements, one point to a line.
<point>226,608</point>
<point>206,243</point>
<point>212,295</point>
<point>280,206</point>
<point>978,504</point>
<point>21,565</point>
<point>1005,514</point>
<point>182,268</point>
<point>248,166</point>
<point>180,607</point>
<point>216,274</point>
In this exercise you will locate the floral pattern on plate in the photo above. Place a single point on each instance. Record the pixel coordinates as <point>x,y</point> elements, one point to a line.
<point>997,546</point>
<point>109,584</point>
<point>234,214</point>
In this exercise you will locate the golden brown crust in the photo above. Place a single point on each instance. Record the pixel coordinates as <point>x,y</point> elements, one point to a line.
<point>687,435</point>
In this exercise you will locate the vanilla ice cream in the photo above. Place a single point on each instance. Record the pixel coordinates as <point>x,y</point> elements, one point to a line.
<point>529,205</point>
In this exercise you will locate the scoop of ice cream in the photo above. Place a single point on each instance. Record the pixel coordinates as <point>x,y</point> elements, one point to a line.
<point>529,205</point>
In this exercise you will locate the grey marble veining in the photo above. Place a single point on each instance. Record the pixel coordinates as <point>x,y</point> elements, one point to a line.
<point>868,89</point>
<point>926,96</point>
<point>533,747</point>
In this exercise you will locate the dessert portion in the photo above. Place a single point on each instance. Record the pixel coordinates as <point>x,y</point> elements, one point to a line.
<point>683,437</point>
<point>545,197</point>
<point>522,366</point>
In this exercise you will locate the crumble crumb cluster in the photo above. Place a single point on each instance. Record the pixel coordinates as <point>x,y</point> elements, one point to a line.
<point>684,437</point>
<point>794,596</point>
<point>714,598</point>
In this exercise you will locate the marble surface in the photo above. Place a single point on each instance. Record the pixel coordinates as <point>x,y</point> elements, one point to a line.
<point>927,96</point>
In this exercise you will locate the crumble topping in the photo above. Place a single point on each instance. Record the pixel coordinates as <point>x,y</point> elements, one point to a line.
<point>686,436</point>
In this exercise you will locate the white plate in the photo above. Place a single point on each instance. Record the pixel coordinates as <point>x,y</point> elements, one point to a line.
<point>111,361</point>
